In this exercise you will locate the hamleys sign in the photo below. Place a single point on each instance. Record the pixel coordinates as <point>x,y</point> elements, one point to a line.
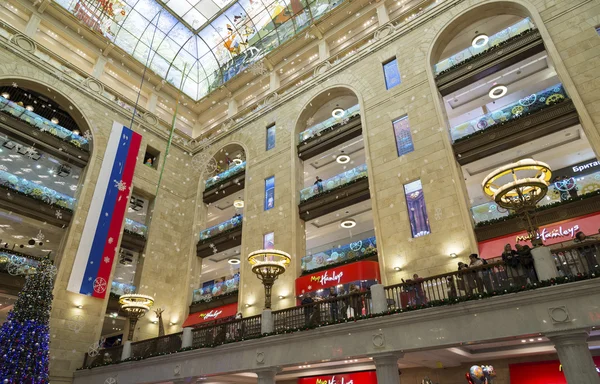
<point>325,278</point>
<point>350,273</point>
<point>211,315</point>
<point>366,377</point>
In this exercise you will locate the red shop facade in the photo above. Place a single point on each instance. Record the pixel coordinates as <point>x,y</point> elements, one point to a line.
<point>542,372</point>
<point>211,316</point>
<point>366,377</point>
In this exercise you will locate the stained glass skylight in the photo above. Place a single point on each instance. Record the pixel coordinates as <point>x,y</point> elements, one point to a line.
<point>230,35</point>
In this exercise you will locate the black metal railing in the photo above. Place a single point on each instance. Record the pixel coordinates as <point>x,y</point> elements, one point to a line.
<point>323,311</point>
<point>158,345</point>
<point>227,332</point>
<point>577,258</point>
<point>103,356</point>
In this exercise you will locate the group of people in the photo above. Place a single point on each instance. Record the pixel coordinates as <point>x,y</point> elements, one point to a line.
<point>342,305</point>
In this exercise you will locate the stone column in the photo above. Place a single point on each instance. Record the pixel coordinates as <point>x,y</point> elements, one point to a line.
<point>274,81</point>
<point>386,366</point>
<point>32,25</point>
<point>267,375</point>
<point>575,357</point>
<point>99,67</point>
<point>232,108</point>
<point>126,351</point>
<point>543,263</point>
<point>266,321</point>
<point>323,50</point>
<point>187,338</point>
<point>382,14</point>
<point>378,298</point>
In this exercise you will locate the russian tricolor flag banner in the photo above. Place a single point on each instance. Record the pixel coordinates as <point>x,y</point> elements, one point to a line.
<point>98,246</point>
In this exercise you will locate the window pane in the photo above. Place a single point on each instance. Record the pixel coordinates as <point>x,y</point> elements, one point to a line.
<point>391,73</point>
<point>417,212</point>
<point>404,142</point>
<point>269,241</point>
<point>269,193</point>
<point>270,137</point>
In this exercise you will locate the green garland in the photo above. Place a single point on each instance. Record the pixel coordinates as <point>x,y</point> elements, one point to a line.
<point>538,209</point>
<point>466,61</point>
<point>209,239</point>
<point>225,179</point>
<point>334,189</point>
<point>409,308</point>
<point>214,298</point>
<point>53,205</point>
<point>493,127</point>
<point>349,261</point>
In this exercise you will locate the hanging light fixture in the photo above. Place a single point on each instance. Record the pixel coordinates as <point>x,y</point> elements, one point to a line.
<point>480,40</point>
<point>337,113</point>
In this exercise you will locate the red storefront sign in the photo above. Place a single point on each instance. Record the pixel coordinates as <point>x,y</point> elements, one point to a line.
<point>361,270</point>
<point>550,234</point>
<point>218,313</point>
<point>543,372</point>
<point>367,377</point>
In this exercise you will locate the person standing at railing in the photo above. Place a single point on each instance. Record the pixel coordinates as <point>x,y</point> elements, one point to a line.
<point>306,302</point>
<point>475,261</point>
<point>526,259</point>
<point>333,304</point>
<point>419,291</point>
<point>466,281</point>
<point>513,263</point>
<point>588,252</point>
<point>319,184</point>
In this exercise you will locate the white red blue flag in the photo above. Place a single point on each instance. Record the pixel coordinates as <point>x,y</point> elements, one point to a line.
<point>104,222</point>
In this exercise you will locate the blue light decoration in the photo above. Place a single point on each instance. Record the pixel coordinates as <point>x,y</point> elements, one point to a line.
<point>119,289</point>
<point>342,254</point>
<point>42,123</point>
<point>269,193</point>
<point>494,40</point>
<point>24,337</point>
<point>231,172</point>
<point>417,211</point>
<point>316,129</point>
<point>336,181</point>
<point>404,142</point>
<point>271,137</point>
<point>213,231</point>
<point>214,288</point>
<point>136,228</point>
<point>529,104</point>
<point>391,73</point>
<point>36,191</point>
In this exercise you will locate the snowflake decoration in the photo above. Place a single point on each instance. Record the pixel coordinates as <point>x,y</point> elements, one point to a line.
<point>110,240</point>
<point>99,285</point>
<point>121,185</point>
<point>31,152</point>
<point>50,271</point>
<point>309,36</point>
<point>258,68</point>
<point>15,85</point>
<point>58,214</point>
<point>110,380</point>
<point>75,324</point>
<point>310,121</point>
<point>40,236</point>
<point>87,135</point>
<point>438,213</point>
<point>16,266</point>
<point>106,259</point>
<point>94,349</point>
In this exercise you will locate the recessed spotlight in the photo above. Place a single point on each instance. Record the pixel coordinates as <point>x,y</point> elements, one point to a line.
<point>281,297</point>
<point>238,203</point>
<point>29,108</point>
<point>397,269</point>
<point>350,223</point>
<point>453,255</point>
<point>79,306</point>
<point>337,113</point>
<point>342,159</point>
<point>233,261</point>
<point>54,120</point>
<point>480,40</point>
<point>154,321</point>
<point>247,305</point>
<point>498,91</point>
<point>6,95</point>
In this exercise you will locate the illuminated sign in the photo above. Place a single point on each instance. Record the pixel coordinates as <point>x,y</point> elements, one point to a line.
<point>325,278</point>
<point>546,234</point>
<point>366,377</point>
<point>210,315</point>
<point>206,317</point>
<point>591,164</point>
<point>345,274</point>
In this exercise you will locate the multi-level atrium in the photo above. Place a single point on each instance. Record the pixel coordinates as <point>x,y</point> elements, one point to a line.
<point>294,191</point>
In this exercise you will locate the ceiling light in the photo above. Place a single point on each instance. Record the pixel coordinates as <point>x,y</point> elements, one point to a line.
<point>397,269</point>
<point>342,159</point>
<point>76,132</point>
<point>453,255</point>
<point>6,95</point>
<point>238,203</point>
<point>79,306</point>
<point>54,120</point>
<point>498,91</point>
<point>337,113</point>
<point>233,261</point>
<point>350,223</point>
<point>480,40</point>
<point>154,321</point>
<point>29,108</point>
<point>237,161</point>
<point>281,297</point>
<point>247,305</point>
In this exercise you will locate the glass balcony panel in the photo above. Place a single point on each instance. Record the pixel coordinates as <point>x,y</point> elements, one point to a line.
<point>136,228</point>
<point>36,191</point>
<point>527,105</point>
<point>17,264</point>
<point>213,291</point>
<point>345,253</point>
<point>41,123</point>
<point>119,289</point>
<point>221,227</point>
<point>316,129</point>
<point>231,172</point>
<point>334,182</point>
<point>559,191</point>
<point>494,40</point>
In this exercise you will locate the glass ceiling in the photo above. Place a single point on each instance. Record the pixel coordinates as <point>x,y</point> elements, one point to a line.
<point>217,39</point>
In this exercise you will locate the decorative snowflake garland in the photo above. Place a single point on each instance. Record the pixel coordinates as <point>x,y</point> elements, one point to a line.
<point>258,68</point>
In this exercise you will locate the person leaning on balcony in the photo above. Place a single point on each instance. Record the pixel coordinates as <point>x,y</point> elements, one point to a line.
<point>475,261</point>
<point>588,252</point>
<point>319,184</point>
<point>513,264</point>
<point>308,309</point>
<point>419,291</point>
<point>526,259</point>
<point>333,304</point>
<point>466,280</point>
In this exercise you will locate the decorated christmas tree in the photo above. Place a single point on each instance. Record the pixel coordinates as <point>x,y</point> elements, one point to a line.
<point>24,337</point>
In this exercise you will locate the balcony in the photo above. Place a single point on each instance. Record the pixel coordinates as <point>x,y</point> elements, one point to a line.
<point>220,237</point>
<point>410,308</point>
<point>330,133</point>
<point>215,295</point>
<point>134,236</point>
<point>540,114</point>
<point>225,183</point>
<point>15,266</point>
<point>35,201</point>
<point>40,132</point>
<point>505,48</point>
<point>340,191</point>
<point>365,249</point>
